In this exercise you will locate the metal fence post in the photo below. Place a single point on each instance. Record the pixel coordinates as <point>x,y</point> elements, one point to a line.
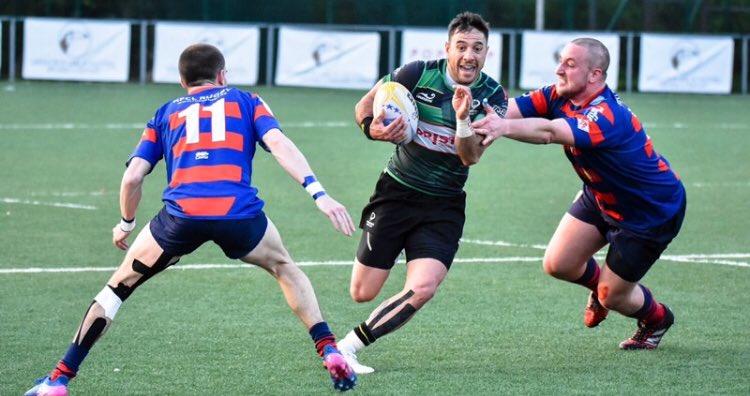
<point>143,53</point>
<point>629,64</point>
<point>391,50</point>
<point>745,60</point>
<point>512,61</point>
<point>269,55</point>
<point>12,51</point>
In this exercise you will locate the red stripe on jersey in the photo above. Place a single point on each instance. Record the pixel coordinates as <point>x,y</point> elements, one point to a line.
<point>568,110</point>
<point>231,109</point>
<point>539,102</point>
<point>209,173</point>
<point>553,93</point>
<point>589,174</point>
<point>261,110</point>
<point>607,198</point>
<point>663,166</point>
<point>595,133</point>
<point>613,214</point>
<point>233,141</point>
<point>218,206</point>
<point>149,134</point>
<point>636,123</point>
<point>649,147</point>
<point>572,150</point>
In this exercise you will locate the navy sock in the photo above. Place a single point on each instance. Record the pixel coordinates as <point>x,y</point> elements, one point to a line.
<point>322,336</point>
<point>68,365</point>
<point>590,277</point>
<point>648,304</point>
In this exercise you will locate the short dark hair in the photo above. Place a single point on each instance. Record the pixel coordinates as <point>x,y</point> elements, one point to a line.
<point>465,21</point>
<point>200,63</point>
<point>597,53</point>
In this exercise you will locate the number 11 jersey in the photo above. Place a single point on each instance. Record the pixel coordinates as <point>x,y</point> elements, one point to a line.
<point>208,139</point>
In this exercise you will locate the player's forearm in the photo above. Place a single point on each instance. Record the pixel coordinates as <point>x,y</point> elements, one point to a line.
<point>130,195</point>
<point>363,108</point>
<point>290,158</point>
<point>530,130</point>
<point>469,149</point>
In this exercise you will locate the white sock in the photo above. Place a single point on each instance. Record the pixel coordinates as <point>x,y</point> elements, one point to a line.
<point>351,342</point>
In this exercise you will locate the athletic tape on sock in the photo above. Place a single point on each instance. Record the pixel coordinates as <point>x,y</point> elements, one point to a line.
<point>109,301</point>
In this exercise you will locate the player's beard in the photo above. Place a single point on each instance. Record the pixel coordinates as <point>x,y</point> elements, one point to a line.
<point>567,89</point>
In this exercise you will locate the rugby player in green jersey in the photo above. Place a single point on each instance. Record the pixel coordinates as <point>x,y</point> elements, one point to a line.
<point>418,204</point>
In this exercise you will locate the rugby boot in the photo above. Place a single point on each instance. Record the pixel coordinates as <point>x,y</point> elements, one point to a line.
<point>648,337</point>
<point>595,312</point>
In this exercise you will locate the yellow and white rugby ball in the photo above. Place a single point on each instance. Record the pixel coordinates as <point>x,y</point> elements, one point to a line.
<point>395,100</point>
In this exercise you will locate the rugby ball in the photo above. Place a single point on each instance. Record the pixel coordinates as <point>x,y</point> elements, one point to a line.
<point>395,100</point>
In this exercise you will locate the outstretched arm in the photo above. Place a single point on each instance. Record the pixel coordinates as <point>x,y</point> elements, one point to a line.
<point>295,164</point>
<point>529,130</point>
<point>130,197</point>
<point>468,145</point>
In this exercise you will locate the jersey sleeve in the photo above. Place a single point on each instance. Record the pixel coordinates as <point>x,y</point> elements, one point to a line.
<point>407,75</point>
<point>263,120</point>
<point>150,146</point>
<point>595,128</point>
<point>537,103</point>
<point>499,101</point>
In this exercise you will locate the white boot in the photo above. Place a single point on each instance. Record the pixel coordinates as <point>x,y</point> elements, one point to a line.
<point>348,347</point>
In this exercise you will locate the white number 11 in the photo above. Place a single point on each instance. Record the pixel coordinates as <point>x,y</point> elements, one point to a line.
<point>192,122</point>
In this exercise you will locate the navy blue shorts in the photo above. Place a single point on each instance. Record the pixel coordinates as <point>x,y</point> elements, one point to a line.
<point>630,254</point>
<point>179,236</point>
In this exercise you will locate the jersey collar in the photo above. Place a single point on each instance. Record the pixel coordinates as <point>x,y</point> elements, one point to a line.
<point>201,88</point>
<point>589,100</point>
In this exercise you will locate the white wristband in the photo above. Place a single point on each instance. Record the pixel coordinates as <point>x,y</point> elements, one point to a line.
<point>127,227</point>
<point>313,187</point>
<point>463,129</point>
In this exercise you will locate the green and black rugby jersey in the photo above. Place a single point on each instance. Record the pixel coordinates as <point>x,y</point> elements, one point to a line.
<point>429,163</point>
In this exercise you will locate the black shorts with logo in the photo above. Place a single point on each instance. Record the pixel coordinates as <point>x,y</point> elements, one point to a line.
<point>630,254</point>
<point>400,218</point>
<point>179,236</point>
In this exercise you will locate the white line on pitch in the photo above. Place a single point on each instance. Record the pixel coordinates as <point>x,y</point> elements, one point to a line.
<point>36,270</point>
<point>71,193</point>
<point>53,204</point>
<point>139,126</point>
<point>502,243</point>
<point>696,258</point>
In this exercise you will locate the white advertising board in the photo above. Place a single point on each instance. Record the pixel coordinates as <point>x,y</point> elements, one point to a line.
<point>239,44</point>
<point>76,49</point>
<point>327,58</point>
<point>696,64</point>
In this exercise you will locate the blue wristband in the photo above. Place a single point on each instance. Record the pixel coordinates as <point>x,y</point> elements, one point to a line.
<point>313,187</point>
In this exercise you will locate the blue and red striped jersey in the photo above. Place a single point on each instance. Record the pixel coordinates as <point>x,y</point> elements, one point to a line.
<point>208,139</point>
<point>634,185</point>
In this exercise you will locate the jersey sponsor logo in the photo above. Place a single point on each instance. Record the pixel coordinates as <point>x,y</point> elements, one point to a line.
<point>371,221</point>
<point>426,95</point>
<point>475,103</point>
<point>201,155</point>
<point>202,98</point>
<point>435,138</point>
